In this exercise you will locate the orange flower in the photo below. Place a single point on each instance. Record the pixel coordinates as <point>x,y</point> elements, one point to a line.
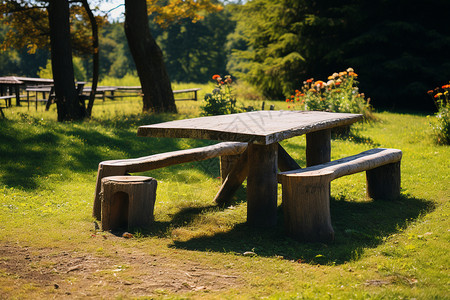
<point>319,83</point>
<point>287,100</point>
<point>216,77</point>
<point>310,80</point>
<point>430,92</point>
<point>353,74</point>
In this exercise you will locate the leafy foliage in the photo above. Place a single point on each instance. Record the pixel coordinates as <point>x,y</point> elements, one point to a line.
<point>339,94</point>
<point>396,46</point>
<point>193,51</point>
<point>171,11</point>
<point>267,50</point>
<point>222,100</point>
<point>441,127</point>
<point>28,26</point>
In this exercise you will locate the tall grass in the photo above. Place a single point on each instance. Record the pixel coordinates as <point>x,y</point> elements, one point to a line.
<point>382,250</point>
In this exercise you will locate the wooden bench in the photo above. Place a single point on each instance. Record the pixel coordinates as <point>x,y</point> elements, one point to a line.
<point>157,161</point>
<point>192,91</point>
<point>7,104</point>
<point>306,192</point>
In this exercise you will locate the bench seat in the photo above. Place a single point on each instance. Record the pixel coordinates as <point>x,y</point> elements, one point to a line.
<point>157,161</point>
<point>306,192</point>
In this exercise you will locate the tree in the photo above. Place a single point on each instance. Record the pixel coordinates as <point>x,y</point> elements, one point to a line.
<point>39,22</point>
<point>156,87</point>
<point>147,55</point>
<point>67,100</point>
<point>195,51</point>
<point>398,48</point>
<point>273,57</point>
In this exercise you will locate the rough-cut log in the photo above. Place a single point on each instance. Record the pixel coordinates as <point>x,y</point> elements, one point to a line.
<point>318,147</point>
<point>234,180</point>
<point>363,161</point>
<point>285,161</point>
<point>127,202</point>
<point>306,207</point>
<point>262,185</point>
<point>227,163</point>
<point>384,182</point>
<point>142,164</point>
<point>259,127</point>
<point>306,191</point>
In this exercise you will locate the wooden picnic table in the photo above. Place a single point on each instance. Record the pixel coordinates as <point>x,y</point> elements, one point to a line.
<point>262,130</point>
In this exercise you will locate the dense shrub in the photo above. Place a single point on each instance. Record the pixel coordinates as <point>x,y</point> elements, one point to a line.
<point>441,124</point>
<point>222,100</point>
<point>339,94</point>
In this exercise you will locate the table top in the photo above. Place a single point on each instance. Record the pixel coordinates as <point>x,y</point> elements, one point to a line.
<point>261,127</point>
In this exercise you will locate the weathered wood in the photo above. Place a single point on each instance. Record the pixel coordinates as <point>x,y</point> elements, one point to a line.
<point>142,164</point>
<point>285,161</point>
<point>306,207</point>
<point>306,191</point>
<point>363,161</point>
<point>262,185</point>
<point>318,147</point>
<point>226,165</point>
<point>384,182</point>
<point>233,180</point>
<point>261,127</point>
<point>127,202</point>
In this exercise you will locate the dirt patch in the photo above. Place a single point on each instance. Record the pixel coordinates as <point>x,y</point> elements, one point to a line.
<point>131,274</point>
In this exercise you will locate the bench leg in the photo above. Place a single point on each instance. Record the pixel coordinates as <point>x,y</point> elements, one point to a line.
<point>384,182</point>
<point>226,164</point>
<point>318,147</point>
<point>306,208</point>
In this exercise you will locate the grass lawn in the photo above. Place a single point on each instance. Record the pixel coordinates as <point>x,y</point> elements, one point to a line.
<point>49,246</point>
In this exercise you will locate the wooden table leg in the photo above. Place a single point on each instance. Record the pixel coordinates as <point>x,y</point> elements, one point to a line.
<point>318,147</point>
<point>262,185</point>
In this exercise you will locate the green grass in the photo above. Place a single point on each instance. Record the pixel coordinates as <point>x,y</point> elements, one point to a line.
<point>382,250</point>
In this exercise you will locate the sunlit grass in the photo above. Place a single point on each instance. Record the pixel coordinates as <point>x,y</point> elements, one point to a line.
<point>47,181</point>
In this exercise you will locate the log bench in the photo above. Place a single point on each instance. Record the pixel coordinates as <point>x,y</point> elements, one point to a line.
<point>157,161</point>
<point>306,192</point>
<point>7,104</point>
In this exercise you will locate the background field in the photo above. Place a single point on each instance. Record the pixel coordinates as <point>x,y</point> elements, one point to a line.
<point>49,246</point>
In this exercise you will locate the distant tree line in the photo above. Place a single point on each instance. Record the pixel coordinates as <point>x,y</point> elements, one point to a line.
<point>398,48</point>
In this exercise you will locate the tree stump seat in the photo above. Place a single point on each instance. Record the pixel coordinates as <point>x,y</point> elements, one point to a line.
<point>127,202</point>
<point>306,192</point>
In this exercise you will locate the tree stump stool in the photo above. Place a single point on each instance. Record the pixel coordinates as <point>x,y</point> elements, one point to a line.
<point>127,201</point>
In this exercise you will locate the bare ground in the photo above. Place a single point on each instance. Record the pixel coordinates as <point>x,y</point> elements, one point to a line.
<point>69,274</point>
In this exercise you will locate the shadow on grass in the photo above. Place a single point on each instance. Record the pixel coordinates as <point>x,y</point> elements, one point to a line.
<point>353,135</point>
<point>31,149</point>
<point>357,225</point>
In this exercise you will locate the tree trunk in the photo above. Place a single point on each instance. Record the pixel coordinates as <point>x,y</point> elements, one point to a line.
<point>95,57</point>
<point>147,55</point>
<point>68,104</point>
